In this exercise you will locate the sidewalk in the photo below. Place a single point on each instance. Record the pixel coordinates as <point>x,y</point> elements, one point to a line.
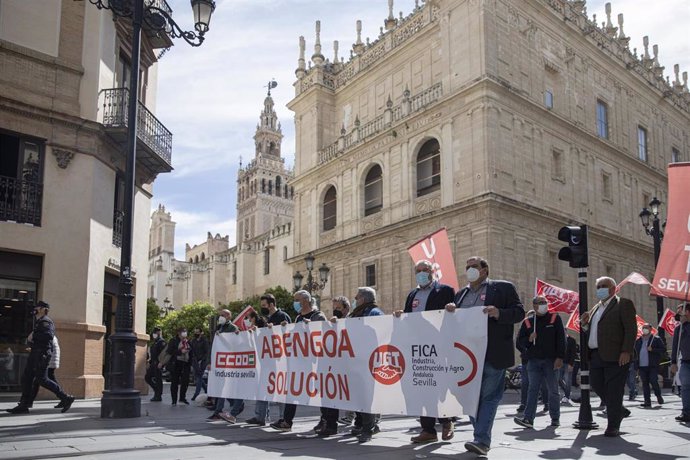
<point>181,432</point>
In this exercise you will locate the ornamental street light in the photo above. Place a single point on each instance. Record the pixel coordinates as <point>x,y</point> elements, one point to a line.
<point>120,398</point>
<point>312,285</point>
<point>654,230</point>
<point>167,308</point>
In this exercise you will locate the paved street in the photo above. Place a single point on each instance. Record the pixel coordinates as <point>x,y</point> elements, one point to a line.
<point>166,432</point>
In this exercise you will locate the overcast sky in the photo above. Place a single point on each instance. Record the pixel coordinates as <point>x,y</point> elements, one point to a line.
<point>210,97</point>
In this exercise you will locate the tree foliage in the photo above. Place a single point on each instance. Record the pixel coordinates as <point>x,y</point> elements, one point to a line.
<point>191,316</point>
<point>283,301</point>
<point>153,315</point>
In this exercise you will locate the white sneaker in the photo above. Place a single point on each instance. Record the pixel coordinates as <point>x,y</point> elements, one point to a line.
<point>565,401</point>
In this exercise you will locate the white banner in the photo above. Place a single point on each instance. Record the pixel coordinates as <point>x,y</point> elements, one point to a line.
<point>427,363</point>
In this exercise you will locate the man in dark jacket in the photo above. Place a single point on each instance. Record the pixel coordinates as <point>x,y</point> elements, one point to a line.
<point>543,338</point>
<point>501,303</point>
<point>41,340</point>
<point>429,295</point>
<point>680,359</point>
<point>612,329</point>
<point>154,375</point>
<point>648,352</point>
<point>199,356</point>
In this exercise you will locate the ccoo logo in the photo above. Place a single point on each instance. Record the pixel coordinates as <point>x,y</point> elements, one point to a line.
<point>387,364</point>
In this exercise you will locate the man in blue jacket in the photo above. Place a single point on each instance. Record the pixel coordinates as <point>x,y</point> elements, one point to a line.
<point>680,359</point>
<point>501,303</point>
<point>648,352</point>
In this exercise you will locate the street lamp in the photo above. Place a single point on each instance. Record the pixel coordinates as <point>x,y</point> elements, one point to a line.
<point>120,398</point>
<point>657,234</point>
<point>167,308</point>
<point>312,285</point>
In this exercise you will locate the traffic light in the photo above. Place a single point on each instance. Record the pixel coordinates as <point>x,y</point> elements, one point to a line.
<point>576,252</point>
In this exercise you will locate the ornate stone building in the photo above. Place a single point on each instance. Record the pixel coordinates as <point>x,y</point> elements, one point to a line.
<point>64,81</point>
<point>502,120</point>
<point>213,271</point>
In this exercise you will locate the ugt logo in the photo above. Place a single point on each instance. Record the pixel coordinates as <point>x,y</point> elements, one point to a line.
<point>387,364</point>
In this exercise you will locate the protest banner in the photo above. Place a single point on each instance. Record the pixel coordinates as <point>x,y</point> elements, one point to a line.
<point>427,363</point>
<point>436,249</point>
<point>559,299</point>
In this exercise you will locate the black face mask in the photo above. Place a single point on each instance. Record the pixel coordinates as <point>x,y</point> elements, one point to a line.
<point>338,313</point>
<point>264,311</point>
<point>197,335</point>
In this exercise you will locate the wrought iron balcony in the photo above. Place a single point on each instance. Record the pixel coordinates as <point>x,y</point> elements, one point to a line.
<point>154,141</point>
<point>20,200</point>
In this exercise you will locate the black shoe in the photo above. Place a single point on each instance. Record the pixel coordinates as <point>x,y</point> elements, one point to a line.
<point>555,423</point>
<point>325,432</point>
<point>255,421</point>
<point>632,397</point>
<point>58,405</point>
<point>660,399</point>
<point>576,399</point>
<point>546,408</point>
<point>477,448</point>
<point>365,436</point>
<point>184,401</point>
<point>626,413</point>
<point>611,433</point>
<point>521,408</point>
<point>356,431</point>
<point>647,405</point>
<point>19,410</point>
<point>67,403</point>
<point>193,398</point>
<point>320,426</point>
<point>681,418</point>
<point>156,399</point>
<point>523,422</point>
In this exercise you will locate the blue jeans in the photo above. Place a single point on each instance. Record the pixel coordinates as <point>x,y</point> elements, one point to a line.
<point>565,380</point>
<point>493,383</point>
<point>200,384</point>
<point>684,373</point>
<point>632,387</point>
<point>542,369</point>
<point>524,386</point>
<point>261,411</point>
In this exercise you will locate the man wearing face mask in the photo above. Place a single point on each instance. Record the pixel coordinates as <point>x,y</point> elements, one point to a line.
<point>429,295</point>
<point>501,303</point>
<point>41,341</point>
<point>543,337</point>
<point>648,352</point>
<point>273,314</point>
<point>341,309</point>
<point>305,313</point>
<point>612,331</point>
<point>200,357</point>
<point>153,373</point>
<point>179,349</point>
<point>680,359</point>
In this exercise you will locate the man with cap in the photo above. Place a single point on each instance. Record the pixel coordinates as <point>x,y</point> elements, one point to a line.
<point>41,340</point>
<point>154,375</point>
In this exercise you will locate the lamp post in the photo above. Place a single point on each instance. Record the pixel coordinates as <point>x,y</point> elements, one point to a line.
<point>657,234</point>
<point>311,285</point>
<point>167,308</point>
<point>120,399</point>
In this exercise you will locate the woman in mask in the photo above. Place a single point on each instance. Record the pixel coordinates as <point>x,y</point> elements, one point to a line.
<point>179,348</point>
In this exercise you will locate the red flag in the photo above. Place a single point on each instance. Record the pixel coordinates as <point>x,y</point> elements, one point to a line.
<point>574,321</point>
<point>668,322</point>
<point>672,276</point>
<point>239,320</point>
<point>636,278</point>
<point>559,299</point>
<point>641,322</point>
<point>436,249</point>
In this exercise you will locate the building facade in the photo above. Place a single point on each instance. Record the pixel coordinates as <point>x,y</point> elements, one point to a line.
<point>215,272</point>
<point>502,120</point>
<point>64,83</point>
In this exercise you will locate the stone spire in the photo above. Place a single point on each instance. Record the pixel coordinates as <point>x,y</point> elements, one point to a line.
<point>335,52</point>
<point>268,134</point>
<point>390,21</point>
<point>621,35</point>
<point>677,84</point>
<point>609,29</point>
<point>656,67</point>
<point>358,47</point>
<point>301,66</point>
<point>317,58</point>
<point>646,58</point>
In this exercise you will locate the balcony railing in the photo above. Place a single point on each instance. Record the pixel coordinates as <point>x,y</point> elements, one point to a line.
<point>118,225</point>
<point>20,200</point>
<point>152,134</point>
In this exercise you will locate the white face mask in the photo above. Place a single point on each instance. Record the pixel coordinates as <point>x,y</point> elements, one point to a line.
<point>543,309</point>
<point>472,274</point>
<point>183,335</point>
<point>646,331</point>
<point>222,320</point>
<point>154,336</point>
<point>247,323</point>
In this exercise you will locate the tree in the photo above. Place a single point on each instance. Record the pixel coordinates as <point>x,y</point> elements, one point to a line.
<point>283,297</point>
<point>191,316</point>
<point>153,315</point>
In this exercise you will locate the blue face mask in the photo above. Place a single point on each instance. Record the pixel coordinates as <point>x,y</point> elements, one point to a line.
<point>354,304</point>
<point>297,306</point>
<point>602,293</point>
<point>422,278</point>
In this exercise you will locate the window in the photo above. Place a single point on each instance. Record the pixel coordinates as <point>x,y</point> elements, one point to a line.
<point>557,165</point>
<point>606,192</point>
<point>267,261</point>
<point>21,179</point>
<point>602,120</point>
<point>329,209</point>
<point>285,253</point>
<point>675,155</point>
<point>373,191</point>
<point>429,168</point>
<point>370,275</point>
<point>278,185</point>
<point>270,187</point>
<point>234,272</point>
<point>548,99</point>
<point>641,143</point>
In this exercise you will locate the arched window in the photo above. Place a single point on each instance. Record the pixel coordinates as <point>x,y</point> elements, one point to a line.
<point>286,190</point>
<point>196,259</point>
<point>203,256</point>
<point>270,187</point>
<point>429,168</point>
<point>263,185</point>
<point>329,209</point>
<point>278,185</point>
<point>373,191</point>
